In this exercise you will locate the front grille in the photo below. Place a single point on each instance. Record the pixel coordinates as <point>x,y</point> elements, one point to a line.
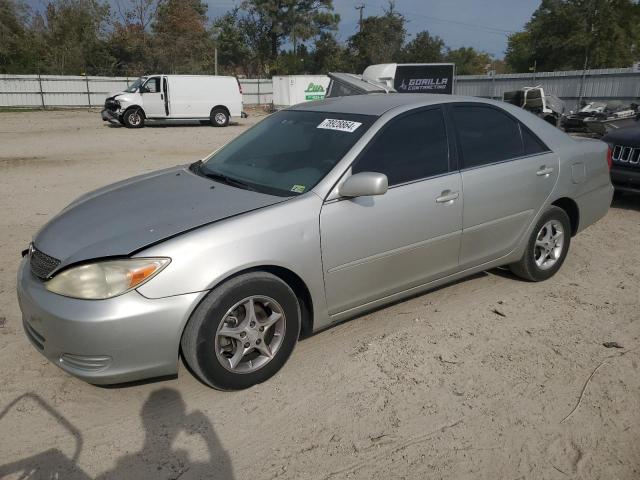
<point>628,156</point>
<point>111,104</point>
<point>42,264</point>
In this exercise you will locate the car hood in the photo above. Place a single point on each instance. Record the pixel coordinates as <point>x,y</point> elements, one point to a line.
<point>122,218</point>
<point>627,137</point>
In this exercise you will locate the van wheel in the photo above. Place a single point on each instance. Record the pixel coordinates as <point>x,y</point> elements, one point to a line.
<point>219,117</point>
<point>133,118</point>
<point>243,332</point>
<point>547,247</point>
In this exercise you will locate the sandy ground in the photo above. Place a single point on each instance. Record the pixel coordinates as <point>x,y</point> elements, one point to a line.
<point>441,386</point>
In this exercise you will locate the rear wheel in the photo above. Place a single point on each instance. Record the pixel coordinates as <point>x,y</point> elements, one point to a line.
<point>219,117</point>
<point>133,118</point>
<point>243,331</point>
<point>547,247</point>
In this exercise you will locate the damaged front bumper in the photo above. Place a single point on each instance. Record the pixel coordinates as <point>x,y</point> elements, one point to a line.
<point>110,116</point>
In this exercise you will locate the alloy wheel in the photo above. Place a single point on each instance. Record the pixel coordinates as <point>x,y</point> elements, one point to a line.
<point>250,334</point>
<point>549,244</point>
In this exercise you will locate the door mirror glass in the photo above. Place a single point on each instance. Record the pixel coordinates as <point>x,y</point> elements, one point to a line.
<point>144,89</point>
<point>364,184</point>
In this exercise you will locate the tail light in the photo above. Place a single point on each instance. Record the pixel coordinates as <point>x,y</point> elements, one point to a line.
<point>610,157</point>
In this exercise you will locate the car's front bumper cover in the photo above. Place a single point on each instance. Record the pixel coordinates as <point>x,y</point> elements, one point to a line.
<point>118,340</point>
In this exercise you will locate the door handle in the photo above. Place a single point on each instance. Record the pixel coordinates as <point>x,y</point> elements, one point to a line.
<point>447,196</point>
<point>544,171</point>
<point>162,96</point>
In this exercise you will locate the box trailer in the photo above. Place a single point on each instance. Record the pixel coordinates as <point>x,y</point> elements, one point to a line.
<point>293,89</point>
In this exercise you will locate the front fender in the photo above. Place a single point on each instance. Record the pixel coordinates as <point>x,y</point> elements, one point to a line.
<point>285,235</point>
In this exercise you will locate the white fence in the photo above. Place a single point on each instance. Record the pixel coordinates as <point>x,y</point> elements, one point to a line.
<point>49,91</point>
<point>45,91</point>
<point>622,84</point>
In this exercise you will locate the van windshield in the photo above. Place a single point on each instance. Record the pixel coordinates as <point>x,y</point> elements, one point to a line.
<point>287,153</point>
<point>135,85</point>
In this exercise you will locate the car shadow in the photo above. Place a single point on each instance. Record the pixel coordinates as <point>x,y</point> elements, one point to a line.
<point>164,419</point>
<point>626,201</point>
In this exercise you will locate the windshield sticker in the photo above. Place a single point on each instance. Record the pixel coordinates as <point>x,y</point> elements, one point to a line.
<point>340,125</point>
<point>298,188</point>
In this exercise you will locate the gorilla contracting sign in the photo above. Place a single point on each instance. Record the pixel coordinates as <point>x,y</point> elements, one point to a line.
<point>436,78</point>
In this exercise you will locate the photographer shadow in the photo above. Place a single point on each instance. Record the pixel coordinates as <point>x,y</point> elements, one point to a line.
<point>164,419</point>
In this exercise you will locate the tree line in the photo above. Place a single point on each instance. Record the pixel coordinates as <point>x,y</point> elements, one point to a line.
<point>261,38</point>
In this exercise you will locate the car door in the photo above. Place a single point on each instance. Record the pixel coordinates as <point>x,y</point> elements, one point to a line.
<point>153,98</point>
<point>376,246</point>
<point>507,174</point>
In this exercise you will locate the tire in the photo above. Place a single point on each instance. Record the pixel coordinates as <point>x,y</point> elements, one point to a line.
<point>552,220</point>
<point>210,355</point>
<point>133,118</point>
<point>219,117</point>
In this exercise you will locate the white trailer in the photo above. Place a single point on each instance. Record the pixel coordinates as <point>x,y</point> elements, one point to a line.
<point>293,89</point>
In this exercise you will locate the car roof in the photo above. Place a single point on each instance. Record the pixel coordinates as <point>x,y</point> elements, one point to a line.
<point>379,103</point>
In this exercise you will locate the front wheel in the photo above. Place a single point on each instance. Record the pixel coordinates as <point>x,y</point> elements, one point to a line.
<point>133,118</point>
<point>243,332</point>
<point>547,247</point>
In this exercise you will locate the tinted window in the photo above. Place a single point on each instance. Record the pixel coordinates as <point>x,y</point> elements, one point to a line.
<point>532,144</point>
<point>486,135</point>
<point>289,152</point>
<point>409,148</point>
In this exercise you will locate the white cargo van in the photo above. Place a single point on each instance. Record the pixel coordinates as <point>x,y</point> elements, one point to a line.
<point>176,97</point>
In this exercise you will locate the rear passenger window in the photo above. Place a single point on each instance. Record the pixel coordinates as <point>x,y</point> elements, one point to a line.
<point>409,148</point>
<point>486,135</point>
<point>532,144</point>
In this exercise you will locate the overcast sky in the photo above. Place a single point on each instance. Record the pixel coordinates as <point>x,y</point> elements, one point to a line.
<point>482,24</point>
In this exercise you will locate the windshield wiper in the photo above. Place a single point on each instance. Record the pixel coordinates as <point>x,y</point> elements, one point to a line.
<point>220,177</point>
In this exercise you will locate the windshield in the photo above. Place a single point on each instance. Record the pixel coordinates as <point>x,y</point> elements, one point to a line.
<point>135,85</point>
<point>289,152</point>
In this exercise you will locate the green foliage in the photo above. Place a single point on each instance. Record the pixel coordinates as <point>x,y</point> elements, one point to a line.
<point>297,20</point>
<point>424,49</point>
<point>469,61</point>
<point>183,43</point>
<point>74,34</point>
<point>563,33</point>
<point>380,40</point>
<point>18,47</point>
<point>267,37</point>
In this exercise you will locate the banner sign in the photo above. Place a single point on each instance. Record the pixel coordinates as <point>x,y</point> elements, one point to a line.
<point>424,78</point>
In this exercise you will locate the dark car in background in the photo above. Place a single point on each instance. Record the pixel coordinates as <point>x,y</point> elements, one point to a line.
<point>625,157</point>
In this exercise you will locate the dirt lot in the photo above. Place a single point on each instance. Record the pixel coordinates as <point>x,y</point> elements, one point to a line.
<point>469,381</point>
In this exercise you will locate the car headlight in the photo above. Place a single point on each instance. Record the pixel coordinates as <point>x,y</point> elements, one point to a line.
<point>106,279</point>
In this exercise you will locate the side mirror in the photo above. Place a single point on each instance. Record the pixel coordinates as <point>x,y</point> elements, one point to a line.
<point>144,89</point>
<point>364,184</point>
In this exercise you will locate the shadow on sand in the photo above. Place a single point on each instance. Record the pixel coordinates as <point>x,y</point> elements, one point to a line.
<point>164,418</point>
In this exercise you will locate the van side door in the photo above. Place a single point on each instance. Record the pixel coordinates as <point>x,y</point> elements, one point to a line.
<point>153,97</point>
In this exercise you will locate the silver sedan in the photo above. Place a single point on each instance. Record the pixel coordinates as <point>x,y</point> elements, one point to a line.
<point>318,213</point>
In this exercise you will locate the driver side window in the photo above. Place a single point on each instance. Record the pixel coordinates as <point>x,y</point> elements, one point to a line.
<point>411,147</point>
<point>153,85</point>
